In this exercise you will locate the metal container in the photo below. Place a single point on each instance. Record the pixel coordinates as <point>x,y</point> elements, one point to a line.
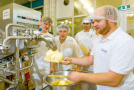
<point>48,81</point>
<point>77,86</point>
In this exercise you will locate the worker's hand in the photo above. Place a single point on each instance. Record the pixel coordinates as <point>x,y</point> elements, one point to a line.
<point>66,61</point>
<point>75,76</point>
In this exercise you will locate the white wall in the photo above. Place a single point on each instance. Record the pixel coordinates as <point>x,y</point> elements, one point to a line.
<point>64,11</point>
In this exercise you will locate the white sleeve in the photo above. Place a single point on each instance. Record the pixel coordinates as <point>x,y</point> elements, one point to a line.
<point>122,58</point>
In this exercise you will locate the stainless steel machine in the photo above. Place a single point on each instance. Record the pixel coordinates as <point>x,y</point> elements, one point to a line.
<point>12,49</point>
<point>18,42</point>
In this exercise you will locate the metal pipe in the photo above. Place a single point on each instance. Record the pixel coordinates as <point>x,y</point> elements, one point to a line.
<point>11,24</point>
<point>6,80</point>
<point>14,37</point>
<point>9,71</point>
<point>3,69</point>
<point>27,66</point>
<point>22,72</point>
<point>49,40</point>
<point>11,87</point>
<point>17,62</point>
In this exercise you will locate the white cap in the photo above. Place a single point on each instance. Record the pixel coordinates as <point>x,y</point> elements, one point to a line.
<point>86,20</point>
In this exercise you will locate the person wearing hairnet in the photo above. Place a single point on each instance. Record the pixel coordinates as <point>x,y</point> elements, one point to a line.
<point>42,67</point>
<point>86,38</point>
<point>67,46</point>
<point>112,54</point>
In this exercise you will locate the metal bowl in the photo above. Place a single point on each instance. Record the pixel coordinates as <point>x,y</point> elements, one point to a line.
<point>48,81</point>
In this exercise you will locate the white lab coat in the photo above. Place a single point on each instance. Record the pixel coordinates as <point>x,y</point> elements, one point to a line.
<point>87,39</point>
<point>69,48</point>
<point>41,67</point>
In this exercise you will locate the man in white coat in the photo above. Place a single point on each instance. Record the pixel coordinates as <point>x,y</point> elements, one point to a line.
<point>86,38</point>
<point>67,45</point>
<point>112,54</point>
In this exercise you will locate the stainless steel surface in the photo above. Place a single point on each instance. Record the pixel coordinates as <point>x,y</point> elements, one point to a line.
<point>78,86</point>
<point>15,65</point>
<point>27,66</point>
<point>49,40</point>
<point>85,86</point>
<point>16,10</point>
<point>48,80</point>
<point>19,36</point>
<point>22,72</point>
<point>16,25</point>
<point>6,80</point>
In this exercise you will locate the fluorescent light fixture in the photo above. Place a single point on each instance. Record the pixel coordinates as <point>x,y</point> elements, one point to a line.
<point>62,22</point>
<point>70,22</point>
<point>66,21</point>
<point>87,6</point>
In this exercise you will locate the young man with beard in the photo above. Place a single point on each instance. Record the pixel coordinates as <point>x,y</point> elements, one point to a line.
<point>112,55</point>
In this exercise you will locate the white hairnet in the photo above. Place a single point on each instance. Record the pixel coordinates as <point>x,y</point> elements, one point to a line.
<point>106,12</point>
<point>63,26</point>
<point>86,20</point>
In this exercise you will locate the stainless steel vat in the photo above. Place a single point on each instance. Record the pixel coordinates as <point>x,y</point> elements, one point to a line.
<point>77,86</point>
<point>48,80</point>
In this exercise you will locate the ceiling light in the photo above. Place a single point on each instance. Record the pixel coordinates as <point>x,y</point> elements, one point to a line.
<point>66,21</point>
<point>70,22</point>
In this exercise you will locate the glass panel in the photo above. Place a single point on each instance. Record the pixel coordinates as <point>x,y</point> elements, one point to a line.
<point>130,18</point>
<point>114,3</point>
<point>66,21</point>
<point>78,24</point>
<point>130,24</point>
<point>131,2</point>
<point>83,7</point>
